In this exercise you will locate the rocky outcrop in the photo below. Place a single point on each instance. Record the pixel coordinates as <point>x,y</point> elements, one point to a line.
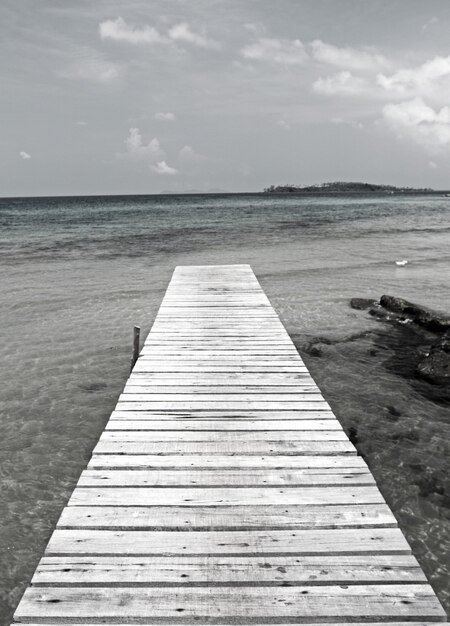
<point>435,367</point>
<point>361,304</point>
<point>431,320</point>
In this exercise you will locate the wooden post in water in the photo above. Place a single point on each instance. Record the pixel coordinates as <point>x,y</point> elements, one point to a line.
<point>136,338</point>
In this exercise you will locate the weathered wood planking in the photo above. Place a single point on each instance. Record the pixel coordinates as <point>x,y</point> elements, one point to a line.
<point>248,448</point>
<point>301,542</point>
<point>231,517</point>
<point>275,570</point>
<point>221,461</point>
<point>344,602</point>
<point>143,423</point>
<point>222,478</point>
<point>223,489</point>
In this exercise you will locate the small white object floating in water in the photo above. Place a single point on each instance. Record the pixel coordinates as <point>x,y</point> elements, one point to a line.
<point>402,262</point>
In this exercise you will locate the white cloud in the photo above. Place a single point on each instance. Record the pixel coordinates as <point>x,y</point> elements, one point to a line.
<point>432,164</point>
<point>420,122</point>
<point>281,51</point>
<point>255,27</point>
<point>341,84</point>
<point>93,70</point>
<point>339,121</point>
<point>188,154</point>
<point>163,169</point>
<point>165,117</point>
<point>347,58</point>
<point>24,155</point>
<point>283,124</point>
<point>151,153</point>
<point>119,30</point>
<point>430,22</point>
<point>426,79</point>
<point>294,52</point>
<point>135,149</point>
<point>182,32</point>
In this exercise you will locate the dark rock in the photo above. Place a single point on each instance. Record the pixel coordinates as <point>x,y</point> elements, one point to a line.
<point>417,467</point>
<point>429,484</point>
<point>314,351</point>
<point>443,343</point>
<point>432,320</point>
<point>435,367</point>
<point>91,387</point>
<point>361,304</point>
<point>393,411</point>
<point>315,346</point>
<point>377,311</point>
<point>353,435</point>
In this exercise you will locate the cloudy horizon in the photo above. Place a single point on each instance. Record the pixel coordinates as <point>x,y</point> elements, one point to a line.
<point>125,97</point>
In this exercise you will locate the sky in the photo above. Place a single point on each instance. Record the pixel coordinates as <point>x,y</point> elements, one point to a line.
<point>155,96</point>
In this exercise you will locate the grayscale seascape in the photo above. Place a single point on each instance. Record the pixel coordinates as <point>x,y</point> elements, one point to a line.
<point>78,273</point>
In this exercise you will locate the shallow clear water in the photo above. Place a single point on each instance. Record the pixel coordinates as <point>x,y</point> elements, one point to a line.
<point>78,273</point>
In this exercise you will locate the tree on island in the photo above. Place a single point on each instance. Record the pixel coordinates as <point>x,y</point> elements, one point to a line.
<point>344,187</point>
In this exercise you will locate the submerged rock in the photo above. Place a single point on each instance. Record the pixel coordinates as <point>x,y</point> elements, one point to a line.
<point>423,338</point>
<point>435,367</point>
<point>376,310</point>
<point>429,319</point>
<point>361,304</point>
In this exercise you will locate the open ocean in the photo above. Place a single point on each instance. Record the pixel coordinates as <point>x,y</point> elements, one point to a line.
<point>78,273</point>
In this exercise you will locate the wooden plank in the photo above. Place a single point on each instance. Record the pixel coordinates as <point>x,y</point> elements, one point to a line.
<point>222,424</point>
<point>201,346</point>
<point>233,352</point>
<point>248,570</point>
<point>300,542</point>
<point>207,309</point>
<point>231,332</point>
<point>226,361</point>
<point>136,386</point>
<point>385,602</point>
<point>224,496</point>
<point>173,405</point>
<point>140,395</point>
<point>226,320</point>
<point>266,623</point>
<point>221,359</point>
<point>210,327</point>
<point>157,366</point>
<point>208,324</point>
<point>223,379</point>
<point>224,437</point>
<point>180,336</point>
<point>222,478</point>
<point>185,296</point>
<point>232,517</point>
<point>226,416</point>
<point>257,448</point>
<point>217,313</point>
<point>163,340</point>
<point>202,460</point>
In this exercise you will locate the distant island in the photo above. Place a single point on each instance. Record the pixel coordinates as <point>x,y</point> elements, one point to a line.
<point>347,187</point>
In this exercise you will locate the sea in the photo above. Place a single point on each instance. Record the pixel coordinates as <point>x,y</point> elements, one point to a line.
<point>77,273</point>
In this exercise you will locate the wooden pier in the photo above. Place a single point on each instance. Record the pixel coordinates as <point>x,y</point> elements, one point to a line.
<point>223,489</point>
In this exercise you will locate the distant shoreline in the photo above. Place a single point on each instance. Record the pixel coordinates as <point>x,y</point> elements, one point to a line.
<point>351,187</point>
<point>323,192</point>
<point>278,192</point>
